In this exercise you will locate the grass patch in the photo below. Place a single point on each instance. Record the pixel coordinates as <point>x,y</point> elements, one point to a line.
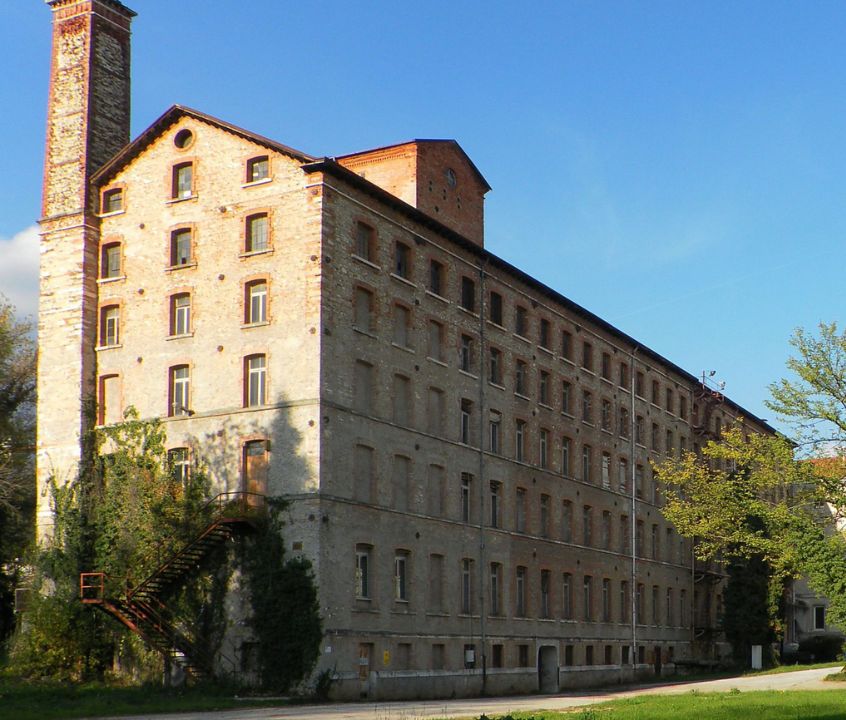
<point>769,705</point>
<point>795,668</point>
<point>56,701</point>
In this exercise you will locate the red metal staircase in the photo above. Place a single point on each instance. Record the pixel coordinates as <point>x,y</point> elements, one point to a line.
<point>143,608</point>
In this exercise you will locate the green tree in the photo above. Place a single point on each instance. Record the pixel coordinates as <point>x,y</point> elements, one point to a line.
<point>771,501</point>
<point>17,453</point>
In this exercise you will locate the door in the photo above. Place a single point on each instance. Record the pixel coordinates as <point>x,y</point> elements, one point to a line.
<point>548,669</point>
<point>255,470</point>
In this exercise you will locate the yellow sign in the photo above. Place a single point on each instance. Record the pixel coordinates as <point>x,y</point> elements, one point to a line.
<point>386,657</point>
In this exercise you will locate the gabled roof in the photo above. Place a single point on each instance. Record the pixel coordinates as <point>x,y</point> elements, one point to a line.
<point>421,141</point>
<point>172,115</point>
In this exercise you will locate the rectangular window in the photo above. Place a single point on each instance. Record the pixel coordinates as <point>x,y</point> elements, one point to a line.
<point>545,507</point>
<point>656,608</point>
<point>520,510</point>
<point>468,294</point>
<point>180,314</point>
<point>640,601</point>
<point>566,345</point>
<point>682,407</point>
<point>183,181</point>
<point>624,376</point>
<point>496,589</point>
<point>587,600</point>
<point>465,354</point>
<point>363,387</point>
<point>496,308</point>
<point>363,310</point>
<point>682,607</point>
<point>436,340</point>
<point>466,483</point>
<point>496,504</point>
<point>656,393</point>
<point>606,600</point>
<point>668,400</point>
<point>566,521</point>
<point>669,603</point>
<point>624,534</point>
<point>362,572</point>
<point>606,470</point>
<point>819,617</point>
<point>587,526</point>
<point>401,398</point>
<point>654,543</point>
<point>587,475</point>
<point>587,356</point>
<point>256,239</point>
<point>436,277</point>
<point>466,413</point>
<point>363,473</point>
<point>402,260</point>
<point>365,241</point>
<point>400,482</point>
<point>112,200</point>
<point>567,596</point>
<point>180,383</point>
<point>258,168</point>
<point>435,411</point>
<point>624,423</point>
<point>521,321</point>
<point>639,384</point>
<point>401,576</point>
<point>180,247</point>
<point>520,375</point>
<point>256,302</point>
<point>523,656</point>
<point>495,366</point>
<point>606,529</point>
<point>639,430</point>
<point>520,440</point>
<point>656,437</point>
<point>402,324</point>
<point>520,590</point>
<point>110,261</point>
<point>435,491</point>
<point>566,463</point>
<point>668,444</point>
<point>438,656</point>
<point>543,388</point>
<point>587,410</point>
<point>494,424</point>
<point>606,366</point>
<point>545,334</point>
<point>496,655</point>
<point>543,448</point>
<point>466,586</point>
<point>179,464</point>
<point>624,602</point>
<point>109,325</point>
<point>623,475</point>
<point>545,601</point>
<point>436,583</point>
<point>606,415</point>
<point>566,399</point>
<point>640,548</point>
<point>256,380</point>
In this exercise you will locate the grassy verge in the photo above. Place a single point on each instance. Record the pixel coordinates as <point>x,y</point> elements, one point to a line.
<point>55,701</point>
<point>771,705</point>
<point>795,668</point>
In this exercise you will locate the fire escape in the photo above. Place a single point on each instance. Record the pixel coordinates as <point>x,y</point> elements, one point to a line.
<point>707,574</point>
<point>144,608</point>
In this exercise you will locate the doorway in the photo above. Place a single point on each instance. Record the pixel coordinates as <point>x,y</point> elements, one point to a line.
<point>548,669</point>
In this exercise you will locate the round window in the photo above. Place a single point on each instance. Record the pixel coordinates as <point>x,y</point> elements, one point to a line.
<point>183,139</point>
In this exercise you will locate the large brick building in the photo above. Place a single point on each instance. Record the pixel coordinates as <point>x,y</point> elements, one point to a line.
<point>466,450</point>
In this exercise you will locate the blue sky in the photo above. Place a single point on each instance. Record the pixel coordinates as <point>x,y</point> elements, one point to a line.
<point>676,168</point>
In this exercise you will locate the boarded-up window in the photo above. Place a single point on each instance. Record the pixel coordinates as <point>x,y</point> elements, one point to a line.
<point>363,473</point>
<point>110,410</point>
<point>402,400</point>
<point>363,309</point>
<point>402,319</point>
<point>435,491</point>
<point>363,387</point>
<point>435,411</point>
<point>436,583</point>
<point>400,478</point>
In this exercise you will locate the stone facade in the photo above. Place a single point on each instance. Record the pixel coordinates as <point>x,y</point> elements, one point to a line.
<point>467,451</point>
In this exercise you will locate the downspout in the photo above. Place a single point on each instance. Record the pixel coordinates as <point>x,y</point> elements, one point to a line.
<point>633,524</point>
<point>482,555</point>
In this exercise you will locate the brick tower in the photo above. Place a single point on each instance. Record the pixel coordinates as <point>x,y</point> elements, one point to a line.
<point>87,123</point>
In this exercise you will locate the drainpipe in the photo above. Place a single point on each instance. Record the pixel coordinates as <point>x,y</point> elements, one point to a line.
<point>482,554</point>
<point>633,525</point>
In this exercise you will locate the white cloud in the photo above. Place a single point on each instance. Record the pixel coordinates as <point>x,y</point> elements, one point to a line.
<point>19,270</point>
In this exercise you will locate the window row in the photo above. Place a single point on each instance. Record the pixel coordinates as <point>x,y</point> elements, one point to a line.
<point>517,593</point>
<point>365,247</point>
<point>180,314</point>
<point>453,656</point>
<point>183,183</point>
<point>180,396</point>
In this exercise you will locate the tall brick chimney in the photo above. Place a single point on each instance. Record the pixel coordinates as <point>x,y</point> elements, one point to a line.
<point>87,123</point>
